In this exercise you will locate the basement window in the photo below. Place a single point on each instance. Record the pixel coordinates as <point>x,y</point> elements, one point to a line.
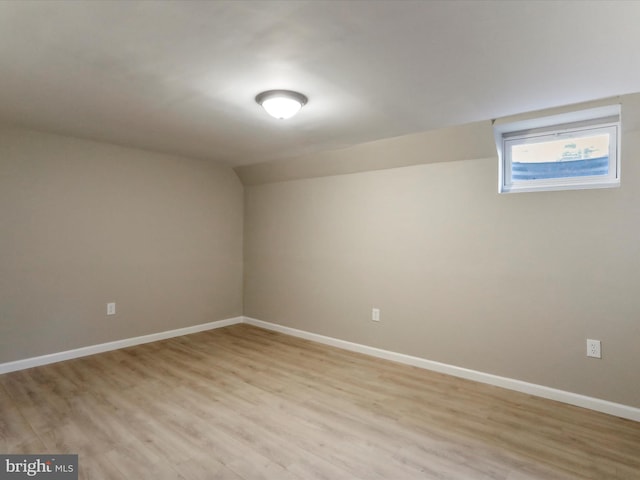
<point>569,151</point>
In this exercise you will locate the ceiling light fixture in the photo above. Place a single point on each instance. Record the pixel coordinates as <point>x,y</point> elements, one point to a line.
<point>281,103</point>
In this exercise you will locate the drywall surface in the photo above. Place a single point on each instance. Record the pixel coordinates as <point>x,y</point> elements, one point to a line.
<point>378,155</point>
<point>506,284</point>
<point>85,223</point>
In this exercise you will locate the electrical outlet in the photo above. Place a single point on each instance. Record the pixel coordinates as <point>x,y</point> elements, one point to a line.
<point>111,308</point>
<point>375,314</point>
<point>593,348</point>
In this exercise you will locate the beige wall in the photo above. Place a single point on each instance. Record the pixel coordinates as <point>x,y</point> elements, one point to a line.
<point>505,284</point>
<point>84,223</point>
<point>379,155</point>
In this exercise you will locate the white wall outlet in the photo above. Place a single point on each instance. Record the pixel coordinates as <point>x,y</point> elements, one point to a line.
<point>375,314</point>
<point>111,308</point>
<point>593,348</point>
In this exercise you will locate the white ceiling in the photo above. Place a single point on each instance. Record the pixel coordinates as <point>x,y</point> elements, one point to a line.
<point>181,77</point>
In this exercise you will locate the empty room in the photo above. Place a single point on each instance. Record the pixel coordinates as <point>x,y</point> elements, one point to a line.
<point>300,240</point>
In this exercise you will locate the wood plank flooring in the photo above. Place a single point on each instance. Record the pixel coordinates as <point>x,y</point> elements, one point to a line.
<point>242,403</point>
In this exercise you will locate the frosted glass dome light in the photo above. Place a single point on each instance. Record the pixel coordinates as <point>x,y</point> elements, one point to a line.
<point>281,104</point>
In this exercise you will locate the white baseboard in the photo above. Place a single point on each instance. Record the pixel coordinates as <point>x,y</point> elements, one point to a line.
<point>105,347</point>
<point>570,398</point>
<point>576,399</point>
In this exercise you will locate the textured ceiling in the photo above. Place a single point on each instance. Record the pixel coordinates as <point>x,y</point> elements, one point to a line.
<point>181,77</point>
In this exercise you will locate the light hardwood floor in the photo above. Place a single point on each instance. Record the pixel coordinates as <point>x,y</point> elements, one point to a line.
<point>244,403</point>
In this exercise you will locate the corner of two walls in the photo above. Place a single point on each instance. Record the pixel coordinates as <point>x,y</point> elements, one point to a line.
<point>510,285</point>
<point>85,223</point>
<point>504,284</point>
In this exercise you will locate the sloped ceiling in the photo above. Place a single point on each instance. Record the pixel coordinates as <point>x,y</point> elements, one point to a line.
<point>181,76</point>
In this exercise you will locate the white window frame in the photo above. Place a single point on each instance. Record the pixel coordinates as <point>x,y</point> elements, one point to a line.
<point>563,126</point>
